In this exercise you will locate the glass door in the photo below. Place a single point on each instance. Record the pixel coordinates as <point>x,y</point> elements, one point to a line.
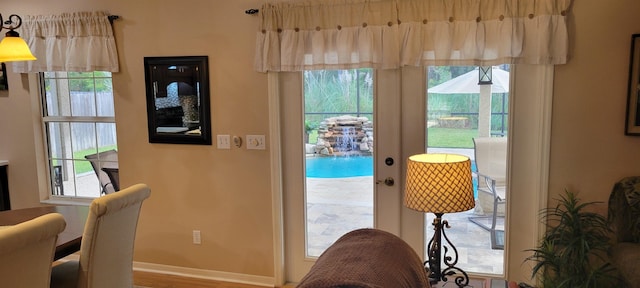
<point>342,162</point>
<point>466,118</point>
<point>338,160</point>
<point>528,156</point>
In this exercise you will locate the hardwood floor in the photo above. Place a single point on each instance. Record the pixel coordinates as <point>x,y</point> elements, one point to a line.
<point>153,280</point>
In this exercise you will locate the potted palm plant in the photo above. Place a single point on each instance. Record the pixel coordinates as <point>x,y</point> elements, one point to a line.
<point>572,253</point>
<point>308,129</point>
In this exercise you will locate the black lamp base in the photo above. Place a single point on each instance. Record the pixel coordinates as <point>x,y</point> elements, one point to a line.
<point>434,269</point>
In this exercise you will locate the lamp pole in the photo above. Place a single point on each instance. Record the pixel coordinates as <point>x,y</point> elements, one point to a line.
<point>436,273</point>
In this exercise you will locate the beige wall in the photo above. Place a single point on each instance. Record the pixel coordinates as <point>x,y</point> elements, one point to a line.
<point>225,193</point>
<point>589,151</point>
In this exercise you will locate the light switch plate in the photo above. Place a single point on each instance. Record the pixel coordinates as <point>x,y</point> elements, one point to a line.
<point>256,142</point>
<point>224,142</point>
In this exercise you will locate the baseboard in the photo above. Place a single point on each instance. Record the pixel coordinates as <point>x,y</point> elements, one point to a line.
<point>263,281</point>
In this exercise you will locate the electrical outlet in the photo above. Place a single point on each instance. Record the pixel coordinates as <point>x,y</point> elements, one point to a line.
<point>224,142</point>
<point>256,142</point>
<point>196,237</point>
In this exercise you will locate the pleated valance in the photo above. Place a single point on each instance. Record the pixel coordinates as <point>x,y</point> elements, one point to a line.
<point>78,42</point>
<point>388,34</point>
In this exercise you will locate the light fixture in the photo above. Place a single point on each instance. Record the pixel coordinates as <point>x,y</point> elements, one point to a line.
<point>440,183</point>
<point>485,75</point>
<point>12,47</point>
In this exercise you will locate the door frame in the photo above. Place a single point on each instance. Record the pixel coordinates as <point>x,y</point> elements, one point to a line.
<point>529,150</point>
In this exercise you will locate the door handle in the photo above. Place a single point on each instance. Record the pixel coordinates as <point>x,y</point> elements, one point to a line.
<point>387,181</point>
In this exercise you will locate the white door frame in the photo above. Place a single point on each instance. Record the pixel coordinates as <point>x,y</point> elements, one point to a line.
<point>531,107</point>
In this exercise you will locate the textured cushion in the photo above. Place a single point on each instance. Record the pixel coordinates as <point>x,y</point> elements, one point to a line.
<point>367,258</point>
<point>26,251</point>
<point>106,252</point>
<point>625,257</point>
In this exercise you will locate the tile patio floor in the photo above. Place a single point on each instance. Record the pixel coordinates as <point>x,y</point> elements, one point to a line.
<point>331,213</point>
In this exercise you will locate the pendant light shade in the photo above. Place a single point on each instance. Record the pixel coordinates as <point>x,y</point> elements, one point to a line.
<point>12,47</point>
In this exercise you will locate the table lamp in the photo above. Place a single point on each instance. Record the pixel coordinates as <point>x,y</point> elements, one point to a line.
<point>440,183</point>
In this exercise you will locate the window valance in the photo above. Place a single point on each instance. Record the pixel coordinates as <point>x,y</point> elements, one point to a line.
<point>388,34</point>
<point>79,42</point>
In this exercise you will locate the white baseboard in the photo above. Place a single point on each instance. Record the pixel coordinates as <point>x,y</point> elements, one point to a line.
<point>263,281</point>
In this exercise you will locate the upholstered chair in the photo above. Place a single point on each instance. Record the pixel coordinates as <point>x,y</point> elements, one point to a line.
<point>106,252</point>
<point>26,251</point>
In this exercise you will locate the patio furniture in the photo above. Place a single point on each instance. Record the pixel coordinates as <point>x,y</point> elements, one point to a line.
<point>491,162</point>
<point>114,176</point>
<point>99,160</point>
<point>26,251</point>
<point>58,185</point>
<point>106,252</point>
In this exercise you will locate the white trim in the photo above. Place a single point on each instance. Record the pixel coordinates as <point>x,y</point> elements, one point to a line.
<point>529,152</point>
<point>263,281</point>
<point>57,200</point>
<point>413,131</point>
<point>41,150</point>
<point>80,119</point>
<point>256,280</point>
<point>275,153</point>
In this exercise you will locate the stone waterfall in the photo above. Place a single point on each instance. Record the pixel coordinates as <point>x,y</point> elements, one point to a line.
<point>345,136</point>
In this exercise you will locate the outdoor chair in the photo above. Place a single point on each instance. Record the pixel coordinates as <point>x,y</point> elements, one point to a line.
<point>114,177</point>
<point>106,251</point>
<point>491,163</point>
<point>99,161</point>
<point>26,251</point>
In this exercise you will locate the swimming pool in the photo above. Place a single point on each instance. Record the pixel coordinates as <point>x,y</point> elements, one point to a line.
<point>339,167</point>
<point>354,166</point>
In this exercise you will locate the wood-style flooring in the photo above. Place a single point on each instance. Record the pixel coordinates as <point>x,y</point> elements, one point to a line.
<point>153,280</point>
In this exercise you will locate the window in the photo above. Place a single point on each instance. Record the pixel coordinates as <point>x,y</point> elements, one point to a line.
<point>79,122</point>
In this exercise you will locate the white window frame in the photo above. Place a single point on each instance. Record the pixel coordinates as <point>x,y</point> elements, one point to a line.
<point>47,187</point>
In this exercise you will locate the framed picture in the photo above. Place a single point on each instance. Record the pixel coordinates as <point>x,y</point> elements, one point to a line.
<point>4,84</point>
<point>178,108</point>
<point>632,126</point>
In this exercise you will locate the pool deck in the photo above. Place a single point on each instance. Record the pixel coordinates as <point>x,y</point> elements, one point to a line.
<point>331,213</point>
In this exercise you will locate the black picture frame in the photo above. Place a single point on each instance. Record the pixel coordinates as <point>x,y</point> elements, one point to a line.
<point>178,100</point>
<point>4,84</point>
<point>632,125</point>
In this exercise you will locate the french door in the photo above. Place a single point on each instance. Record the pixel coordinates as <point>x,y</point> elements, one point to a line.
<point>399,131</point>
<point>321,206</point>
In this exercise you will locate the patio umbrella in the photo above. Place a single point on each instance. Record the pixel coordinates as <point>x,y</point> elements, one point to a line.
<point>468,84</point>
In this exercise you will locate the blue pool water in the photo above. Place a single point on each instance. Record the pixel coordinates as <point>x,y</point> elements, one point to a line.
<point>339,167</point>
<point>342,167</point>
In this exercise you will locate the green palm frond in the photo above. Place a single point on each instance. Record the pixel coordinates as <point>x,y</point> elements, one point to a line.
<point>572,253</point>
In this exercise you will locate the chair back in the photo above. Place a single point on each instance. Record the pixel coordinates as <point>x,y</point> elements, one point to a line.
<point>491,158</point>
<point>100,160</point>
<point>106,252</point>
<point>26,251</point>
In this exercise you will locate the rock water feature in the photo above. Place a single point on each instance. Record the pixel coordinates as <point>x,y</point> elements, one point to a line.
<point>345,136</point>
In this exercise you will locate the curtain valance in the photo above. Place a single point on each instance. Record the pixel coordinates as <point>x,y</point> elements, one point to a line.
<point>79,42</point>
<point>387,34</point>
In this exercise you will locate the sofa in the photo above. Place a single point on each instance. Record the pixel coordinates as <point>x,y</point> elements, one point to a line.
<point>624,216</point>
<point>367,258</point>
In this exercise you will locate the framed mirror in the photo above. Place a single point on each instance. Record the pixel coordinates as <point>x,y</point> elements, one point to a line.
<point>178,109</point>
<point>4,84</point>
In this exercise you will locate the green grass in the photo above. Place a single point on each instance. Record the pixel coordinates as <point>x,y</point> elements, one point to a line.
<point>437,137</point>
<point>85,166</point>
<point>451,137</point>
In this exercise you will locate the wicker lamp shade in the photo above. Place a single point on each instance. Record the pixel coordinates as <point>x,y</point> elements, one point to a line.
<point>439,183</point>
